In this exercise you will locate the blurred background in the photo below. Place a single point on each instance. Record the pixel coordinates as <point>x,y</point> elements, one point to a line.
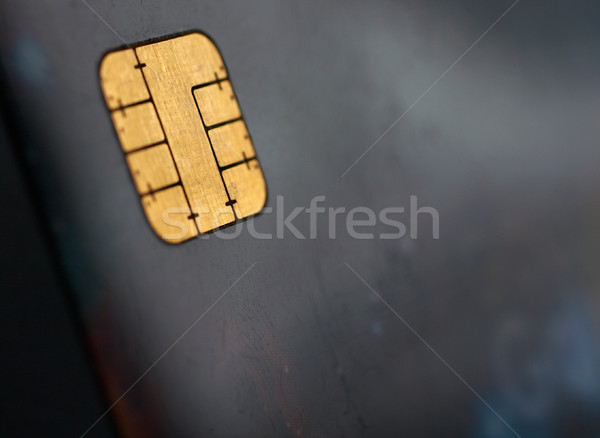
<point>505,147</point>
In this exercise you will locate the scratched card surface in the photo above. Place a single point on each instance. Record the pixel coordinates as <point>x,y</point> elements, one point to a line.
<point>183,135</point>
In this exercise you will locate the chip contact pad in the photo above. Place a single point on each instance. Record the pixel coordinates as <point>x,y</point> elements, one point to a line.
<point>183,135</point>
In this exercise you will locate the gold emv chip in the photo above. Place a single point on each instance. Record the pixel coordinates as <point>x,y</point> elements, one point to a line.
<point>183,135</point>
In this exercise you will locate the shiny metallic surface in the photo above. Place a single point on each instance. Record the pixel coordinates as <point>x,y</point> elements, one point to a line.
<point>181,128</point>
